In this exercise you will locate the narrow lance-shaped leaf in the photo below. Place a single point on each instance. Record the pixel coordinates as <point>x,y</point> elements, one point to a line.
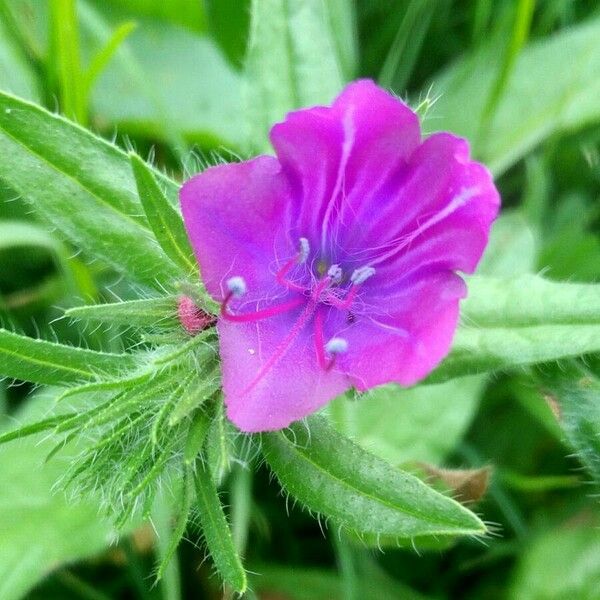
<point>577,392</point>
<point>165,221</point>
<point>291,62</point>
<point>533,105</point>
<point>83,186</point>
<point>336,478</point>
<point>168,547</point>
<point>46,362</point>
<point>196,436</point>
<point>216,531</point>
<point>103,56</point>
<point>64,29</point>
<point>530,300</point>
<point>514,323</point>
<point>149,312</point>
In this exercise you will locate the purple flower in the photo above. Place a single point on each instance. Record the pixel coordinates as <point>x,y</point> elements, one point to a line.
<point>335,261</point>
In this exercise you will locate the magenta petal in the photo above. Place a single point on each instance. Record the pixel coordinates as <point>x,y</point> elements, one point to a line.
<point>407,333</point>
<point>309,146</point>
<point>441,193</point>
<point>229,213</point>
<point>293,387</point>
<point>384,133</point>
<point>335,157</point>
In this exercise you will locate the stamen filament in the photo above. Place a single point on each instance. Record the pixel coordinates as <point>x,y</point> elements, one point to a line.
<point>334,346</point>
<point>281,280</point>
<point>346,303</point>
<point>259,314</point>
<point>319,341</point>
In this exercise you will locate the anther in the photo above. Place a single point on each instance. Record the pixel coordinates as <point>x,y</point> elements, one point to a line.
<point>361,274</point>
<point>304,250</point>
<point>333,347</point>
<point>335,273</point>
<point>336,345</point>
<point>236,286</point>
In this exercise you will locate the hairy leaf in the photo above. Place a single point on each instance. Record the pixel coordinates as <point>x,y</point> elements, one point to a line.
<point>165,221</point>
<point>534,104</point>
<point>291,62</point>
<point>216,531</point>
<point>522,321</point>
<point>83,186</point>
<point>336,478</point>
<point>576,392</point>
<point>150,312</point>
<point>40,361</point>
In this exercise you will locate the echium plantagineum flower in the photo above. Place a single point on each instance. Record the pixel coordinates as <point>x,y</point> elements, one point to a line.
<point>335,260</point>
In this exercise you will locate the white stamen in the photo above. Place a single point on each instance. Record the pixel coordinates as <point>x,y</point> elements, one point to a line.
<point>237,286</point>
<point>335,272</point>
<point>361,274</point>
<point>304,250</point>
<point>336,345</point>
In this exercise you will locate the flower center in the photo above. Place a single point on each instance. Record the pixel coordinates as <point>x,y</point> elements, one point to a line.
<point>331,287</point>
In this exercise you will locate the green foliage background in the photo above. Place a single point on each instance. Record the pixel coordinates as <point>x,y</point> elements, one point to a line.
<point>189,82</point>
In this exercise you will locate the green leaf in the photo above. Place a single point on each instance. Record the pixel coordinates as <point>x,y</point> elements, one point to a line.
<point>189,13</point>
<point>15,234</point>
<point>401,58</point>
<point>516,322</point>
<point>334,477</point>
<point>168,83</point>
<point>295,583</point>
<point>342,19</point>
<point>23,233</point>
<point>149,312</point>
<point>503,348</point>
<point>165,221</point>
<point>577,392</point>
<point>83,186</point>
<point>168,547</point>
<point>562,563</point>
<point>40,361</point>
<point>216,531</point>
<point>512,248</point>
<point>65,56</point>
<point>291,62</point>
<point>523,15</point>
<point>40,528</point>
<point>529,300</point>
<point>534,104</point>
<point>16,73</point>
<point>423,423</point>
<point>105,54</point>
<point>196,436</point>
<point>198,393</point>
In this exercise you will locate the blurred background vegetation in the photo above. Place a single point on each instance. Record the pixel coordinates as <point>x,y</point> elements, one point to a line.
<point>174,79</point>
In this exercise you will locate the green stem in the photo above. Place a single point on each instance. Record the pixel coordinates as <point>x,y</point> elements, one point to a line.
<point>346,566</point>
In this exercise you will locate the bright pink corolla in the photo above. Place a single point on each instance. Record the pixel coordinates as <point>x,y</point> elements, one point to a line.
<point>335,261</point>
